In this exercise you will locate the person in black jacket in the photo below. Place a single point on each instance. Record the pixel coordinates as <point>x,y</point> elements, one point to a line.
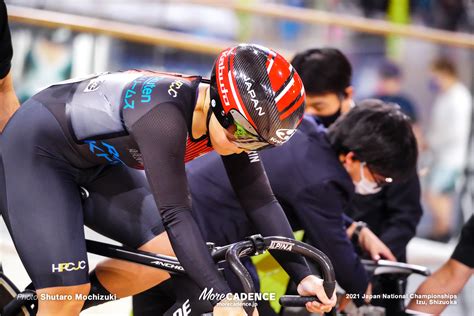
<point>392,213</point>
<point>8,100</point>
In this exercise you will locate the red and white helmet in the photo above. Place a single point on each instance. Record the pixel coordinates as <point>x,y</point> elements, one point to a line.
<point>256,89</point>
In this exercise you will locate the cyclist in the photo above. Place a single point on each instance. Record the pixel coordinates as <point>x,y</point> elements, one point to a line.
<point>89,131</point>
<point>449,279</point>
<point>314,177</point>
<point>8,100</point>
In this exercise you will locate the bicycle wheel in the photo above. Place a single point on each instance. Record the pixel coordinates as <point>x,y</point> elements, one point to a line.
<point>8,292</point>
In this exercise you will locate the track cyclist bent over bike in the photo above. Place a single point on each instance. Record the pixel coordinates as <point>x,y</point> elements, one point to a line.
<point>96,131</point>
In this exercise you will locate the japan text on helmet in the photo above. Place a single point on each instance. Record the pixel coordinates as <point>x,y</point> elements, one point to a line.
<point>256,89</point>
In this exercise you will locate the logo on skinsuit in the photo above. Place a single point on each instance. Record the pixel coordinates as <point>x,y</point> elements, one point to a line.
<point>184,310</point>
<point>174,86</point>
<point>104,150</point>
<point>94,84</point>
<point>68,266</point>
<point>140,91</point>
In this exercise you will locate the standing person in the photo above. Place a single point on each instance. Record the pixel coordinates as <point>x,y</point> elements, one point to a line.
<point>389,89</point>
<point>88,132</point>
<point>447,140</point>
<point>8,100</point>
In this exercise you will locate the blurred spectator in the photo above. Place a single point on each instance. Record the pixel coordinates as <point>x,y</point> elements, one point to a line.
<point>449,14</point>
<point>447,140</point>
<point>389,90</point>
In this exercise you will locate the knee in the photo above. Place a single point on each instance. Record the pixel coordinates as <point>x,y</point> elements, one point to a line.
<point>160,245</point>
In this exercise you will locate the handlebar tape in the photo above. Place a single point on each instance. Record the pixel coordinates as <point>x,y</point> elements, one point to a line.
<point>296,300</point>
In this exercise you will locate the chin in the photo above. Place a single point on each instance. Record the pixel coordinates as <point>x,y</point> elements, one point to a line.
<point>223,151</point>
<point>224,147</point>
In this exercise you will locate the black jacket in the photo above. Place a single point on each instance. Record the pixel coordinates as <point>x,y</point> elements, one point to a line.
<point>392,214</point>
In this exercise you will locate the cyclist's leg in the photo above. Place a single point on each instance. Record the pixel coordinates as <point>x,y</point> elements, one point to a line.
<point>44,212</point>
<point>121,207</point>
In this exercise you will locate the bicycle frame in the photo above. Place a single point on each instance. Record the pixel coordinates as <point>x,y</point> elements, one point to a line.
<point>231,253</point>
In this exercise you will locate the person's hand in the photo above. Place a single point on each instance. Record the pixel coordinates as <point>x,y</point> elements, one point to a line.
<point>312,285</point>
<point>370,243</point>
<point>231,308</point>
<point>8,100</point>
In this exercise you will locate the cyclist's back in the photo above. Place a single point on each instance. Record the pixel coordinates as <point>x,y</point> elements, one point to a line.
<point>96,113</point>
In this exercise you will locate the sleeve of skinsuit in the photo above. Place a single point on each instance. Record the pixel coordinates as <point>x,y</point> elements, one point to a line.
<point>319,209</point>
<point>6,51</point>
<point>250,183</point>
<point>161,136</point>
<point>403,212</point>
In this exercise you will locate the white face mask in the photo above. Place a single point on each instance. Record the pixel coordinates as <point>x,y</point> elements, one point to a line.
<point>364,186</point>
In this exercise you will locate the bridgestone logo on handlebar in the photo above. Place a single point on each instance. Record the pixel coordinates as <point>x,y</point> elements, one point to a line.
<point>209,295</point>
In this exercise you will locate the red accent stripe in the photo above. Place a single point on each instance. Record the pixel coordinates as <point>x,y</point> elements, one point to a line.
<point>196,149</point>
<point>278,74</point>
<point>292,109</point>
<point>290,96</point>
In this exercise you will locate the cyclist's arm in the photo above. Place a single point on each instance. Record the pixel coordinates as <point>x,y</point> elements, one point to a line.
<point>403,213</point>
<point>319,209</point>
<point>161,136</point>
<point>249,180</point>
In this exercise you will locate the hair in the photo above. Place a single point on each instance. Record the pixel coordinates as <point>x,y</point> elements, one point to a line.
<point>444,65</point>
<point>323,70</point>
<point>389,70</point>
<point>379,134</point>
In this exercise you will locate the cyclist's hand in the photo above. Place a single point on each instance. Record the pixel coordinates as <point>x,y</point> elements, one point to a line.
<point>374,246</point>
<point>312,285</point>
<point>231,308</point>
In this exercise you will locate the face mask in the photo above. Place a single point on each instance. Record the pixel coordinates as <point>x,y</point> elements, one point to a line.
<point>328,120</point>
<point>364,186</point>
